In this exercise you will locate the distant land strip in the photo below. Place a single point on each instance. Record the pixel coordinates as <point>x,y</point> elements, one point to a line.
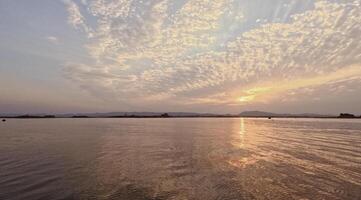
<point>247,114</point>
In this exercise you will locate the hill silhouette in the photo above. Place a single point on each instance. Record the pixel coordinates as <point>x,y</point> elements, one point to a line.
<point>269,114</point>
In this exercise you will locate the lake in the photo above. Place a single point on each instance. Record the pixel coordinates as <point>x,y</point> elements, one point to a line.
<point>180,158</point>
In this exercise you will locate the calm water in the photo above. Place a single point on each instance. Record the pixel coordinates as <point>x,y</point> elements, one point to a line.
<point>180,159</point>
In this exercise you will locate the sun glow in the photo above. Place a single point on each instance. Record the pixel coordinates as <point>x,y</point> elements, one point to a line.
<point>252,93</point>
<point>246,98</point>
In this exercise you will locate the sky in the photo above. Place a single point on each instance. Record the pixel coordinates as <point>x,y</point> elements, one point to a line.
<point>218,56</point>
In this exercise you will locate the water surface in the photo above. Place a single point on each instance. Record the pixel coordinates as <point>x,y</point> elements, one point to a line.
<point>180,159</point>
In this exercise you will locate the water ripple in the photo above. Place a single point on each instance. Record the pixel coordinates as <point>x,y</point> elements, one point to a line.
<point>162,159</point>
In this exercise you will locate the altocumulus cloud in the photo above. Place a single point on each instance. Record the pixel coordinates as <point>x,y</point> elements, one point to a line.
<point>190,52</point>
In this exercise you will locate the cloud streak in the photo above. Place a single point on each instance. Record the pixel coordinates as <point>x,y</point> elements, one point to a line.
<point>52,39</point>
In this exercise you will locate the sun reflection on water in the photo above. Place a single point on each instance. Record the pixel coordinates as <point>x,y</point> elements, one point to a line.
<point>242,132</point>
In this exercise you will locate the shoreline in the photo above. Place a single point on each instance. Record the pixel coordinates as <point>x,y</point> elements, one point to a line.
<point>156,117</point>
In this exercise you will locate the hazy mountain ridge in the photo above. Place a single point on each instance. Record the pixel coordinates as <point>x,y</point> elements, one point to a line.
<point>269,114</point>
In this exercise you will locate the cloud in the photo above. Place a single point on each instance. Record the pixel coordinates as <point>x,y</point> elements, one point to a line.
<point>277,88</point>
<point>52,39</point>
<point>148,51</point>
<point>75,18</point>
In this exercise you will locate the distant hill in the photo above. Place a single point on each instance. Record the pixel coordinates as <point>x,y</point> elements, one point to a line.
<point>269,114</point>
<point>348,115</point>
<point>257,114</point>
